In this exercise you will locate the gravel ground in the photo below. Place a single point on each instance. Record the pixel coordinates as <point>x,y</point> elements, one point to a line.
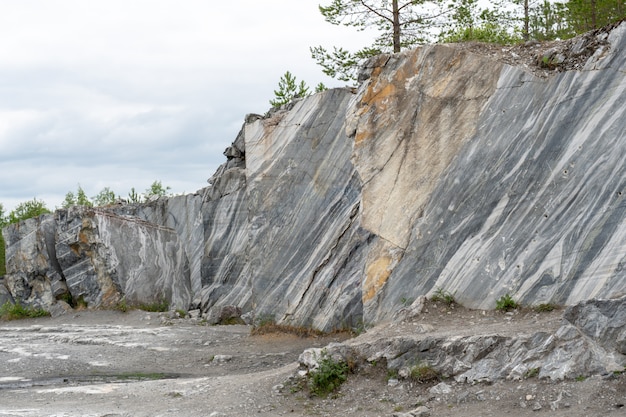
<point>107,363</point>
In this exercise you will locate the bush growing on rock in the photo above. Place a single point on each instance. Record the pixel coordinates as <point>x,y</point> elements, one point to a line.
<point>328,376</point>
<point>506,303</point>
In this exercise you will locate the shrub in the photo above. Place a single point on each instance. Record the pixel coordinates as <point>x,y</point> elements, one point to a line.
<point>27,210</point>
<point>122,305</point>
<point>328,376</point>
<point>443,296</point>
<point>423,372</point>
<point>156,307</point>
<point>532,373</point>
<point>16,311</point>
<point>506,303</point>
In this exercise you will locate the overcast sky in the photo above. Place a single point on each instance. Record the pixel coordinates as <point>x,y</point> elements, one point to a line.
<point>111,93</point>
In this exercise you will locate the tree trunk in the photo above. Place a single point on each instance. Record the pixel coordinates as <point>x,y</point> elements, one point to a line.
<point>396,26</point>
<point>593,15</point>
<point>526,34</point>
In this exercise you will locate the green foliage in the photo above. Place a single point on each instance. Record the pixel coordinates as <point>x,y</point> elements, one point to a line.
<point>78,199</point>
<point>443,296</point>
<point>328,376</point>
<point>133,197</point>
<point>320,87</point>
<point>401,24</point>
<point>423,372</point>
<point>468,22</point>
<point>157,189</point>
<point>288,89</point>
<point>27,210</point>
<point>487,32</point>
<point>341,63</point>
<point>585,15</point>
<point>156,307</point>
<point>105,197</point>
<point>532,373</point>
<point>506,303</point>
<point>16,311</point>
<point>122,305</point>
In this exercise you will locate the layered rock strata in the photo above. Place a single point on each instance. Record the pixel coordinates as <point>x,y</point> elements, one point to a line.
<point>590,340</point>
<point>445,170</point>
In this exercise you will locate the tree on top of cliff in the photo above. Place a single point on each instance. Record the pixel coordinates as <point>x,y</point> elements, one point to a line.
<point>402,23</point>
<point>288,89</point>
<point>27,210</point>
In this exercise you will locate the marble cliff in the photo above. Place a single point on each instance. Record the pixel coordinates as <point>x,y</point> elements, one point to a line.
<point>445,169</point>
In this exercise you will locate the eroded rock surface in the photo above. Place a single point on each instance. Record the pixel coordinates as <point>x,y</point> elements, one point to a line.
<point>446,169</point>
<point>588,341</point>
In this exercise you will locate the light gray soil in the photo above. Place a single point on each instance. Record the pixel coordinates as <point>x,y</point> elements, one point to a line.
<point>108,363</point>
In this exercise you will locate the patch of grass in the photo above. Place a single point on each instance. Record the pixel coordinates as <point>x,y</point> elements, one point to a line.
<point>545,307</point>
<point>532,373</point>
<point>580,378</point>
<point>16,311</point>
<point>328,376</point>
<point>423,372</point>
<point>443,296</point>
<point>122,305</point>
<point>392,374</point>
<point>406,301</point>
<point>506,303</point>
<point>182,313</point>
<point>156,307</point>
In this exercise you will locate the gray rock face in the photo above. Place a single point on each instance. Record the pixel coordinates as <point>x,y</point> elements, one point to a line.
<point>5,295</point>
<point>531,201</point>
<point>446,169</point>
<point>33,273</point>
<point>96,256</point>
<point>105,257</point>
<point>590,341</point>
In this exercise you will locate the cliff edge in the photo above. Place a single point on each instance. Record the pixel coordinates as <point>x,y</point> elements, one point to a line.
<point>458,167</point>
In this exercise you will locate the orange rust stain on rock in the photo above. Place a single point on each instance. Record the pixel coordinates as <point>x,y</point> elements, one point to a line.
<point>375,100</point>
<point>376,276</point>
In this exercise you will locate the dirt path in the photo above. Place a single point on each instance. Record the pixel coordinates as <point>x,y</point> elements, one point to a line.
<point>109,363</point>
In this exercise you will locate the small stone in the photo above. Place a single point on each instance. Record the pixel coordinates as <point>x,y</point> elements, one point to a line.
<point>536,406</point>
<point>440,389</point>
<point>422,411</point>
<point>222,358</point>
<point>392,382</point>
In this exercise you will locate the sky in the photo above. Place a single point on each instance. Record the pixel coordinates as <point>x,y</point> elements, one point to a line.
<point>120,94</point>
